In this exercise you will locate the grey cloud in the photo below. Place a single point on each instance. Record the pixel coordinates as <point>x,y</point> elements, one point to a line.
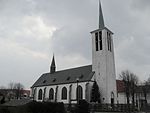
<point>135,51</point>
<point>141,4</point>
<point>70,40</point>
<point>73,20</point>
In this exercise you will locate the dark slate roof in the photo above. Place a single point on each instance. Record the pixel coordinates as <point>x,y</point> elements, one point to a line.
<point>65,76</point>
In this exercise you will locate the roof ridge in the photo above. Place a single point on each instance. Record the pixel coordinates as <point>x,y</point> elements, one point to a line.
<point>68,69</point>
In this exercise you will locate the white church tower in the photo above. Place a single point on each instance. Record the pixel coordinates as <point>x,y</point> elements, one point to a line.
<point>103,63</point>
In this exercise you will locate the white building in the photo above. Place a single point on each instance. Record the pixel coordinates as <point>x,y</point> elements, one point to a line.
<point>69,85</point>
<point>141,96</point>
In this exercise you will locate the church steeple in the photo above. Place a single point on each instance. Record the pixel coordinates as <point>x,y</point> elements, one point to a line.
<point>53,66</point>
<point>103,63</point>
<point>101,20</point>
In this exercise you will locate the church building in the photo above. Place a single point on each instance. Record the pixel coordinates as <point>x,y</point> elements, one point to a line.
<point>70,85</point>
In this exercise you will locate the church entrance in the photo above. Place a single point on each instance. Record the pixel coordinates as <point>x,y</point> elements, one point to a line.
<point>112,100</point>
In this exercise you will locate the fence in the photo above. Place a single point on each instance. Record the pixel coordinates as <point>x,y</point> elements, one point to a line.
<point>116,107</point>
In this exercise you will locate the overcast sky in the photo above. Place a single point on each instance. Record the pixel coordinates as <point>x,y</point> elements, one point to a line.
<point>32,30</point>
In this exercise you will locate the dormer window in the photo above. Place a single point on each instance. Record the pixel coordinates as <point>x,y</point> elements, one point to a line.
<point>68,78</point>
<point>54,79</point>
<point>81,76</point>
<point>44,81</point>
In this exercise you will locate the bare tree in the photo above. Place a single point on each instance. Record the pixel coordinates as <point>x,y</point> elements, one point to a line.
<point>145,89</point>
<point>11,85</point>
<point>130,81</point>
<point>133,87</point>
<point>125,77</point>
<point>11,93</point>
<point>148,80</point>
<point>18,88</point>
<point>15,90</point>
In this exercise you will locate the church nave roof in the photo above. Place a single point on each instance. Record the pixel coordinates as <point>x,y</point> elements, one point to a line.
<point>83,73</point>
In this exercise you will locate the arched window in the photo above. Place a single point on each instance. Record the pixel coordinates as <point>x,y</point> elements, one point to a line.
<point>51,94</point>
<point>79,93</point>
<point>40,94</point>
<point>34,94</point>
<point>64,93</point>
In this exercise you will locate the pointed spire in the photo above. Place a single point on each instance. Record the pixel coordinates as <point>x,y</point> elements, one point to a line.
<point>53,67</point>
<point>101,20</point>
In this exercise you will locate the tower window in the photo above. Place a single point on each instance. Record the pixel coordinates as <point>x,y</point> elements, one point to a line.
<point>96,41</point>
<point>109,41</point>
<point>100,40</point>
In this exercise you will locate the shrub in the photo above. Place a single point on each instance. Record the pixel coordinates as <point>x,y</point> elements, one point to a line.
<point>83,107</point>
<point>46,107</point>
<point>35,107</point>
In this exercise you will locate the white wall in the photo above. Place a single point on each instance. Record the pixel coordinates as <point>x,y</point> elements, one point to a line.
<point>121,98</point>
<point>73,92</point>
